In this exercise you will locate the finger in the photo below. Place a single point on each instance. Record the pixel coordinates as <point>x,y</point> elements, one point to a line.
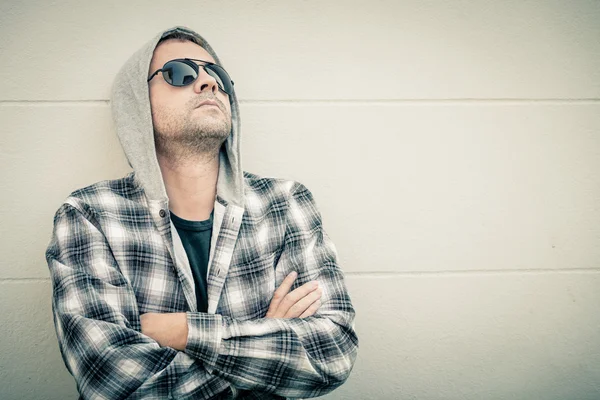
<point>310,311</point>
<point>301,305</point>
<point>293,297</point>
<point>280,293</point>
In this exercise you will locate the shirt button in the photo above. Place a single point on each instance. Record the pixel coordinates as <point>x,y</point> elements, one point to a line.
<point>162,213</point>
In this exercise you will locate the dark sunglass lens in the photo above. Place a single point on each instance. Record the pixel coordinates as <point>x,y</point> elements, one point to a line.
<point>220,76</point>
<point>178,73</point>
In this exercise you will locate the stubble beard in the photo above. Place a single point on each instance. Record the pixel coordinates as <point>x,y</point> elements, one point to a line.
<point>179,140</point>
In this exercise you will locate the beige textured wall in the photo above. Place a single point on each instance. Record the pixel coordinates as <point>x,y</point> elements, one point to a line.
<point>453,147</point>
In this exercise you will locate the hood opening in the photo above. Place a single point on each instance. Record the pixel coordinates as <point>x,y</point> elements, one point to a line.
<point>132,118</point>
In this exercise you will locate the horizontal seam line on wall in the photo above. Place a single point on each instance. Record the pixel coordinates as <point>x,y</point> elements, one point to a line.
<point>474,272</point>
<point>23,280</point>
<point>501,101</point>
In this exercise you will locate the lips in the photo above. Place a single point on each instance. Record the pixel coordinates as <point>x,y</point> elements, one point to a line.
<point>208,102</point>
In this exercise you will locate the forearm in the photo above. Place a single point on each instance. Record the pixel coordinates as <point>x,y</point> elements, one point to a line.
<point>289,357</point>
<point>168,329</point>
<point>108,360</point>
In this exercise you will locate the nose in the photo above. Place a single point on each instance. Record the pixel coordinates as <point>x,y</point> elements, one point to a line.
<point>205,82</point>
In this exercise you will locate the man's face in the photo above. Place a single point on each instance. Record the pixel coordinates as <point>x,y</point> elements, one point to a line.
<point>179,123</point>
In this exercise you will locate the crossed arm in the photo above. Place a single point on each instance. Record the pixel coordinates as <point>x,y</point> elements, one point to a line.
<point>113,353</point>
<point>171,329</point>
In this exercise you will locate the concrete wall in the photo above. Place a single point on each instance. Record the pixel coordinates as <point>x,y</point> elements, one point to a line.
<point>453,147</point>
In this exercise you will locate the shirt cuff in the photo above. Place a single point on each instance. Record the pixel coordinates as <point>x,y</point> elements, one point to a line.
<point>205,332</point>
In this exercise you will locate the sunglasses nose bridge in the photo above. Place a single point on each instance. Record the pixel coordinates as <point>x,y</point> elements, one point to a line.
<point>205,77</point>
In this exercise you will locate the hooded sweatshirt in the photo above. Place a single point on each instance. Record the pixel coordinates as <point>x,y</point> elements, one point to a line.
<point>115,254</point>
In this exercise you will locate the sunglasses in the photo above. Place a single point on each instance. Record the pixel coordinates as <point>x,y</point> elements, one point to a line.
<point>184,71</point>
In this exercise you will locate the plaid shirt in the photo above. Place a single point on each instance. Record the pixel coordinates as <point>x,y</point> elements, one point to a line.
<point>113,256</point>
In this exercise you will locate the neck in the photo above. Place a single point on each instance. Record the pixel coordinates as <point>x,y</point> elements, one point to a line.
<point>191,184</point>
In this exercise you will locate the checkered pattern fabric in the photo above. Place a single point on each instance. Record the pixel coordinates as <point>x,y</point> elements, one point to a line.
<point>110,261</point>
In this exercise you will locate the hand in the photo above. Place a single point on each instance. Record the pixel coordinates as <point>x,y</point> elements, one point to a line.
<point>302,302</point>
<point>169,330</point>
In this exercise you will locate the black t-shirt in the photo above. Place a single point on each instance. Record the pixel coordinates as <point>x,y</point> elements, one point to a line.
<point>195,236</point>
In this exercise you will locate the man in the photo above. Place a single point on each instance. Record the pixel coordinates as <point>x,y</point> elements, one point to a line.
<point>189,277</point>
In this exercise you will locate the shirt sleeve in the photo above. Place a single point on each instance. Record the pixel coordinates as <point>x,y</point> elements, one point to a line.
<point>298,357</point>
<point>97,323</point>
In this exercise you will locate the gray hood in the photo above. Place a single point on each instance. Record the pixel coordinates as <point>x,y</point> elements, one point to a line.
<point>130,104</point>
